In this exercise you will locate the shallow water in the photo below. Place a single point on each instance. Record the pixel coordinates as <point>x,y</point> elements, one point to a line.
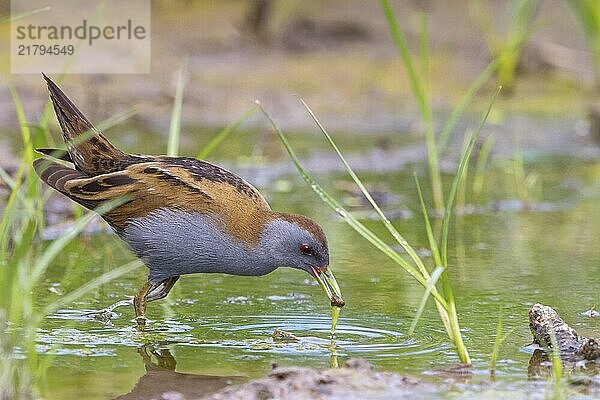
<point>503,259</point>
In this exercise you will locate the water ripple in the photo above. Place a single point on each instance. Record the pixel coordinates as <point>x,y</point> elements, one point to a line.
<point>353,337</point>
<point>247,334</point>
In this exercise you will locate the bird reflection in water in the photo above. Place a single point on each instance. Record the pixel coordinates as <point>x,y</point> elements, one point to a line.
<point>161,381</point>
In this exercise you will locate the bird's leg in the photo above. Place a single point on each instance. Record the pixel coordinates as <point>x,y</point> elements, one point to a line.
<point>140,300</point>
<point>164,287</point>
<point>150,292</point>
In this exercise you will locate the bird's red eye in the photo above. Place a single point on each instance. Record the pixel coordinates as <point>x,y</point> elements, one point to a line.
<point>306,249</point>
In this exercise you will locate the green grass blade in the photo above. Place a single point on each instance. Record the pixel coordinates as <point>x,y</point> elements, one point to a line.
<point>464,160</point>
<point>461,192</point>
<point>482,158</point>
<point>422,95</point>
<point>25,202</point>
<point>402,47</point>
<point>348,217</point>
<point>464,102</point>
<point>435,275</point>
<point>455,334</point>
<point>444,316</point>
<point>557,366</point>
<point>588,14</point>
<point>25,132</point>
<point>498,340</point>
<point>175,126</point>
<point>424,49</point>
<point>447,287</point>
<point>506,46</point>
<point>24,171</point>
<point>116,119</point>
<point>432,242</point>
<point>519,174</point>
<point>215,141</point>
<point>386,222</point>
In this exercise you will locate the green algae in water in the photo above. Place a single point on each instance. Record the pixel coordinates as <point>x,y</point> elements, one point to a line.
<point>335,314</point>
<point>336,305</point>
<point>329,284</point>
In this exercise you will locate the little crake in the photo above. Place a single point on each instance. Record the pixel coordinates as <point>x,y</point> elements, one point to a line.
<point>180,215</point>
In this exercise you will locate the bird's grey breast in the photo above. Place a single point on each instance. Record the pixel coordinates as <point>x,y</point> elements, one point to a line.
<point>175,242</point>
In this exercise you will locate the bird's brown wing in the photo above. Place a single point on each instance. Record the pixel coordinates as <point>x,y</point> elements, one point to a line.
<point>173,183</point>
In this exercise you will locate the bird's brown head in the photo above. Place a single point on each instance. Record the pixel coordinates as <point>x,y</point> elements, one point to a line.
<point>298,242</point>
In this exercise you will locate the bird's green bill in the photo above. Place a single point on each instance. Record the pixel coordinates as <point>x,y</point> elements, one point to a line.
<point>329,285</point>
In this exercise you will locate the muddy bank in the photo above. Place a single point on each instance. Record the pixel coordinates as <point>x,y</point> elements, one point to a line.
<point>357,380</point>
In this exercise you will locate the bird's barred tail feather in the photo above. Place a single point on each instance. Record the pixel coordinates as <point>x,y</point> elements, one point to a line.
<point>57,175</point>
<point>89,150</point>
